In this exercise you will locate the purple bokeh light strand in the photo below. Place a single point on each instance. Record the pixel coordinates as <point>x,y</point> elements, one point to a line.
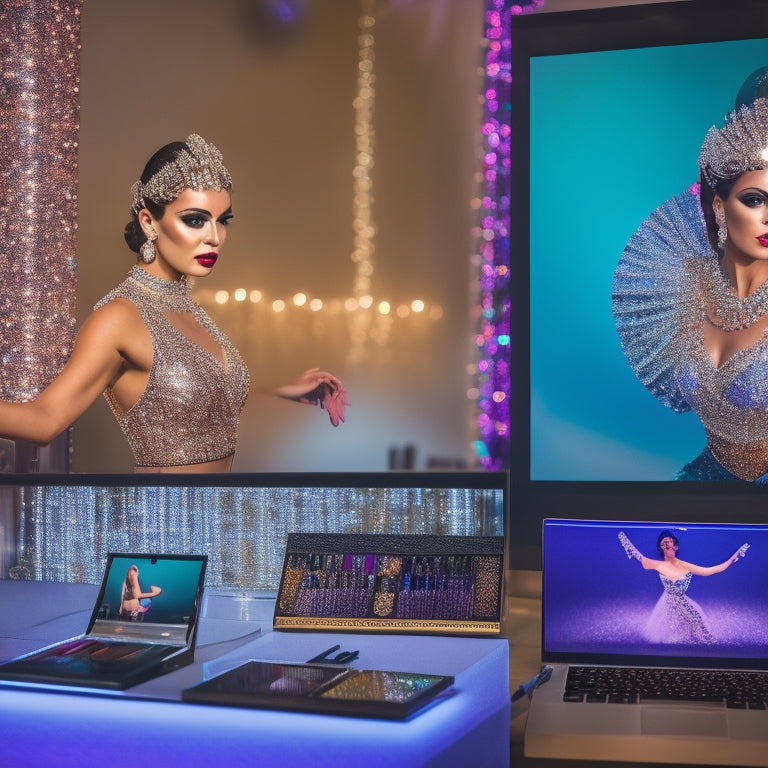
<point>492,236</point>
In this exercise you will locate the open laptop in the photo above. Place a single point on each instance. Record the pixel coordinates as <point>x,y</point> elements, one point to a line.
<point>144,624</point>
<point>627,634</point>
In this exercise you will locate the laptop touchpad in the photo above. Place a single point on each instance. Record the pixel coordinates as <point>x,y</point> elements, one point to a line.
<point>662,721</point>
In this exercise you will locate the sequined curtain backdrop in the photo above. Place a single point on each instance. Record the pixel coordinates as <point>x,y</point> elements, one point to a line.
<point>39,123</point>
<point>67,531</point>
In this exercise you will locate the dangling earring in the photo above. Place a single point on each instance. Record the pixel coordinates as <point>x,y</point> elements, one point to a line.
<point>148,251</point>
<point>722,230</point>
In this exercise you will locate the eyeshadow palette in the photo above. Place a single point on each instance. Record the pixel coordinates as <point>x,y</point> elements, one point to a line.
<point>392,583</point>
<point>144,624</point>
<point>319,688</point>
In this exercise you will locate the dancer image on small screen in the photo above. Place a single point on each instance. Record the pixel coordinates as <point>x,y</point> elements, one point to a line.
<point>134,602</point>
<point>676,618</point>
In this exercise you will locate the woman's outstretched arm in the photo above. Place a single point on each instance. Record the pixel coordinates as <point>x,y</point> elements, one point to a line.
<point>699,570</point>
<point>633,551</point>
<point>96,360</point>
<point>321,388</point>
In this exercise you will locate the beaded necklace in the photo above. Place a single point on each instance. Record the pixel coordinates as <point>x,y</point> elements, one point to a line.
<point>171,294</point>
<point>727,311</point>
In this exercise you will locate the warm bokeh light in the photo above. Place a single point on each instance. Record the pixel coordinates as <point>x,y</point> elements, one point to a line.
<point>255,296</point>
<point>417,305</point>
<point>384,308</point>
<point>278,305</point>
<point>222,297</point>
<point>316,305</point>
<point>241,294</point>
<point>300,299</point>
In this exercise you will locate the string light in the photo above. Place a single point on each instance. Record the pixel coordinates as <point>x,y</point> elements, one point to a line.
<point>363,325</point>
<point>492,385</point>
<point>301,300</point>
<point>362,183</point>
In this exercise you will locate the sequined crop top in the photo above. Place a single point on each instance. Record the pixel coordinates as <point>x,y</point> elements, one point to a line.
<point>662,293</point>
<point>189,410</point>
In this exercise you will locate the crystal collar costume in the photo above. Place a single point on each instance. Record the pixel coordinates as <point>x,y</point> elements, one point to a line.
<point>669,284</point>
<point>189,411</point>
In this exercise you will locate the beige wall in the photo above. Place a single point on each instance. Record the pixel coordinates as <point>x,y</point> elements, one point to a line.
<point>280,108</point>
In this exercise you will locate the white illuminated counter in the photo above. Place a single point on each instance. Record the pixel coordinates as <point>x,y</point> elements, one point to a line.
<point>148,725</point>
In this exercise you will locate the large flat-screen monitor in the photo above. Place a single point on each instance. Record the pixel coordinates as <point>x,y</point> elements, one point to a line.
<point>609,110</point>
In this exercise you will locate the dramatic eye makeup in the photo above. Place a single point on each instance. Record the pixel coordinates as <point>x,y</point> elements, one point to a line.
<point>199,218</point>
<point>753,198</point>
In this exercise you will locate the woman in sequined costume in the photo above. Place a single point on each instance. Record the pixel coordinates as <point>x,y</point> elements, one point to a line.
<point>676,618</point>
<point>690,300</point>
<point>134,602</point>
<point>174,381</point>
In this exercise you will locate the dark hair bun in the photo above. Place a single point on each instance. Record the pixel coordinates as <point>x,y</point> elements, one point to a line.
<point>134,235</point>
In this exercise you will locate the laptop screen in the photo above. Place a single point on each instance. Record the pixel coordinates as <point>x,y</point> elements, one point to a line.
<point>153,598</point>
<point>655,593</point>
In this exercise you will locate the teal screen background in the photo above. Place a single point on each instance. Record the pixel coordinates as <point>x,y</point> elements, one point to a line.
<point>177,578</point>
<point>613,135</point>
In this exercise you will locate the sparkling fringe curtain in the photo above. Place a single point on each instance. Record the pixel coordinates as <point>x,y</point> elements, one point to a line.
<point>66,531</point>
<point>39,123</point>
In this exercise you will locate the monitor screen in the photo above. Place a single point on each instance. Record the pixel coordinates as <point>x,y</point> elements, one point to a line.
<point>149,595</point>
<point>609,110</point>
<point>600,600</point>
<point>613,134</point>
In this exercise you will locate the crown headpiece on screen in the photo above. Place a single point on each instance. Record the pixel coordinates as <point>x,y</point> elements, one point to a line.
<point>198,166</point>
<point>741,145</point>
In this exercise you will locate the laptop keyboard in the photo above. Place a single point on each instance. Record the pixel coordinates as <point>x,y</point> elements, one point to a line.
<point>630,685</point>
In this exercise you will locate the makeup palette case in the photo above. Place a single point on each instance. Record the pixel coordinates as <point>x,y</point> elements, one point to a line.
<point>424,584</point>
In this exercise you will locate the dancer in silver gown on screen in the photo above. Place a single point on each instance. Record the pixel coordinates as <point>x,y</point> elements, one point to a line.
<point>676,618</point>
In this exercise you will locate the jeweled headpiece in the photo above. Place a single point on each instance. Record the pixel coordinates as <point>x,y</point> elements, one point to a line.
<point>198,166</point>
<point>741,145</point>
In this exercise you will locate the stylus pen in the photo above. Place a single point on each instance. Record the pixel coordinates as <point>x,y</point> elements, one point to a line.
<point>526,689</point>
<point>345,658</point>
<point>321,656</point>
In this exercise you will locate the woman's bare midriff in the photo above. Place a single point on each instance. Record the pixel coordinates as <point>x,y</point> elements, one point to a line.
<point>220,465</point>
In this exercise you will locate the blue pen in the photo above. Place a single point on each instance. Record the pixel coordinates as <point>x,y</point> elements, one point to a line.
<point>527,689</point>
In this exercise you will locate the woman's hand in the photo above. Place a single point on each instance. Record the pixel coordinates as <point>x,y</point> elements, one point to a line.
<point>321,388</point>
<point>740,552</point>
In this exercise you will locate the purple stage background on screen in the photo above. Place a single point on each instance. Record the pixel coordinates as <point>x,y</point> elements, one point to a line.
<point>598,600</point>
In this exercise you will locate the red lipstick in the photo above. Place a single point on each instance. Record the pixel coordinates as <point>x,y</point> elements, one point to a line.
<point>207,259</point>
<point>763,240</point>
